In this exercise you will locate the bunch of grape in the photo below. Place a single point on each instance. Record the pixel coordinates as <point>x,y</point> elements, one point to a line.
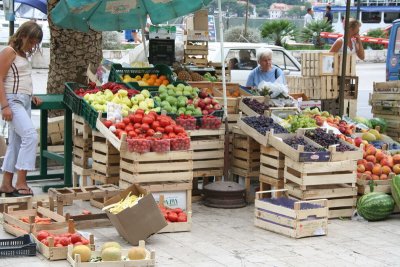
<point>263,124</point>
<point>255,105</point>
<point>296,141</point>
<point>301,121</point>
<point>289,203</point>
<point>325,139</point>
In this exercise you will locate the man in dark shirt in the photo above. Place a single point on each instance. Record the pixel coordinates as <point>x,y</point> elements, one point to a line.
<point>328,15</point>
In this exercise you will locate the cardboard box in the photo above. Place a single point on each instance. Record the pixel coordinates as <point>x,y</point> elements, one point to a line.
<point>198,21</point>
<point>140,221</point>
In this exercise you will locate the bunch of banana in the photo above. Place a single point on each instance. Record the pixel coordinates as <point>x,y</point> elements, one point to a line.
<point>127,202</point>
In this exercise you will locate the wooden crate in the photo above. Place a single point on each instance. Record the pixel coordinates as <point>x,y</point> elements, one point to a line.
<point>55,130</point>
<point>270,183</point>
<point>350,87</point>
<point>363,186</point>
<point>272,163</point>
<point>253,133</point>
<point>57,196</point>
<point>390,87</point>
<point>156,167</point>
<point>171,194</point>
<point>82,151</point>
<point>89,221</point>
<point>106,158</point>
<point>82,173</point>
<point>245,156</point>
<point>196,52</point>
<point>322,87</point>
<point>298,155</point>
<point>16,203</point>
<point>320,173</point>
<point>296,223</point>
<point>208,152</point>
<point>105,133</point>
<point>14,225</point>
<point>246,109</point>
<point>51,252</point>
<point>81,127</point>
<point>350,64</point>
<point>333,106</point>
<point>147,262</point>
<point>342,198</point>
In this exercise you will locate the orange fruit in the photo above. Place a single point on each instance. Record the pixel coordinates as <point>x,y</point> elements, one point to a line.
<point>165,82</point>
<point>153,76</point>
<point>146,76</point>
<point>162,77</point>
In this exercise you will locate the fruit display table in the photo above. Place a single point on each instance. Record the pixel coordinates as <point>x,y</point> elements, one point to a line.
<point>54,102</point>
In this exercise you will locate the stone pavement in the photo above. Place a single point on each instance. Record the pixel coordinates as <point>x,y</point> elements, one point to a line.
<point>221,237</point>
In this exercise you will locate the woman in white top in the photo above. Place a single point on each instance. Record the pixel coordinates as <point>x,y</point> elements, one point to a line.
<point>354,45</point>
<point>15,101</point>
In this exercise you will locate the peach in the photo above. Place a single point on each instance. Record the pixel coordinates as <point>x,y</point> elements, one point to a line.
<point>361,161</point>
<point>368,172</point>
<point>377,170</point>
<point>383,177</point>
<point>369,166</point>
<point>371,158</point>
<point>386,170</point>
<point>396,159</point>
<point>371,150</point>
<point>360,168</point>
<point>360,175</point>
<point>379,156</point>
<point>396,168</point>
<point>367,176</point>
<point>375,177</point>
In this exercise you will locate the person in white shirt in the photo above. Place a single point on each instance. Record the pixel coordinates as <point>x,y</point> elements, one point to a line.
<point>308,17</point>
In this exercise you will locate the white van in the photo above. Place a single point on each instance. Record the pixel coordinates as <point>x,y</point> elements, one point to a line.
<point>281,58</point>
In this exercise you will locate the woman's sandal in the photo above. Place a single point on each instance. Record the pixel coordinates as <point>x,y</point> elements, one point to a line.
<point>7,194</point>
<point>17,192</point>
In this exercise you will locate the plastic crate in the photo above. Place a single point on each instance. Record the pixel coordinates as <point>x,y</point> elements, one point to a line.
<point>117,71</point>
<point>72,100</point>
<point>19,246</point>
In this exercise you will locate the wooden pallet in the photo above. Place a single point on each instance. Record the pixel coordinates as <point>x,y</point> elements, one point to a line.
<point>246,155</point>
<point>307,174</point>
<point>171,193</point>
<point>51,252</point>
<point>208,152</point>
<point>156,167</point>
<point>16,203</point>
<point>296,223</point>
<point>147,262</point>
<point>57,196</point>
<point>15,226</point>
<point>342,198</point>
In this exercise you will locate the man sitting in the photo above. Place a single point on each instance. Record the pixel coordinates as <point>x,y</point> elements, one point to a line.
<point>245,61</point>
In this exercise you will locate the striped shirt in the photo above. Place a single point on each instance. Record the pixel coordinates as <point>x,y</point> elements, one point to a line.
<point>18,79</point>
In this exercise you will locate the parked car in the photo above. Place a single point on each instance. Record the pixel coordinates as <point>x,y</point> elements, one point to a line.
<point>393,53</point>
<point>281,58</point>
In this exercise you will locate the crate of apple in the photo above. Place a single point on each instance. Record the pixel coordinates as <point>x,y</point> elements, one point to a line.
<point>206,103</point>
<point>188,122</point>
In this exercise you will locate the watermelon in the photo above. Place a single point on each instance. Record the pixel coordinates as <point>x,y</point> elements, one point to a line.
<point>375,206</point>
<point>396,189</point>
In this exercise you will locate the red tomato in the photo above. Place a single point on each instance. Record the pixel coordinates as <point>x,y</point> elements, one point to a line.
<point>169,129</point>
<point>75,238</point>
<point>132,134</point>
<point>121,133</point>
<point>172,135</point>
<point>59,245</point>
<point>129,128</point>
<point>78,243</point>
<point>85,241</point>
<point>108,123</point>
<point>164,122</point>
<point>160,129</point>
<point>153,114</point>
<point>131,117</point>
<point>182,217</point>
<point>138,118</point>
<point>178,129</point>
<point>120,125</point>
<point>64,241</point>
<point>138,131</point>
<point>147,119</point>
<point>137,125</point>
<point>117,132</point>
<point>150,132</point>
<point>172,216</point>
<point>145,127</point>
<point>139,111</point>
<point>155,124</point>
<point>126,120</point>
<point>42,235</point>
<point>45,242</point>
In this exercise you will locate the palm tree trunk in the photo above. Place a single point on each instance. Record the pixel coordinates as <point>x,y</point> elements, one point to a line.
<point>71,52</point>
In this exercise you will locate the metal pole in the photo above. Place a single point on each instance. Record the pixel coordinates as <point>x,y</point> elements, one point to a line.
<point>11,22</point>
<point>246,18</point>
<point>344,56</point>
<point>358,9</point>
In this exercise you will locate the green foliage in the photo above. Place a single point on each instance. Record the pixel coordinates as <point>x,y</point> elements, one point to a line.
<point>379,33</point>
<point>295,12</point>
<point>236,34</point>
<point>312,31</point>
<point>262,11</point>
<point>279,31</point>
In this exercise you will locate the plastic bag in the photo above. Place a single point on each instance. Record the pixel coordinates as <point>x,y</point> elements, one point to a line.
<point>276,89</point>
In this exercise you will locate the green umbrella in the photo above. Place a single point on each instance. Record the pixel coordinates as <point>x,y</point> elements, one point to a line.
<point>112,15</point>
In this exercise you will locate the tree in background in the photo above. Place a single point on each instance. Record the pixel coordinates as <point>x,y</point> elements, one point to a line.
<point>236,34</point>
<point>379,33</point>
<point>295,12</point>
<point>312,32</point>
<point>279,31</point>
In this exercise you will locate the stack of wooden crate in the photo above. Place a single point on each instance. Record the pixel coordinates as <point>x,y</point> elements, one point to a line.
<point>196,48</point>
<point>319,175</point>
<point>385,102</point>
<point>55,130</point>
<point>169,174</point>
<point>272,166</point>
<point>245,162</point>
<point>82,151</point>
<point>106,159</point>
<point>208,155</point>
